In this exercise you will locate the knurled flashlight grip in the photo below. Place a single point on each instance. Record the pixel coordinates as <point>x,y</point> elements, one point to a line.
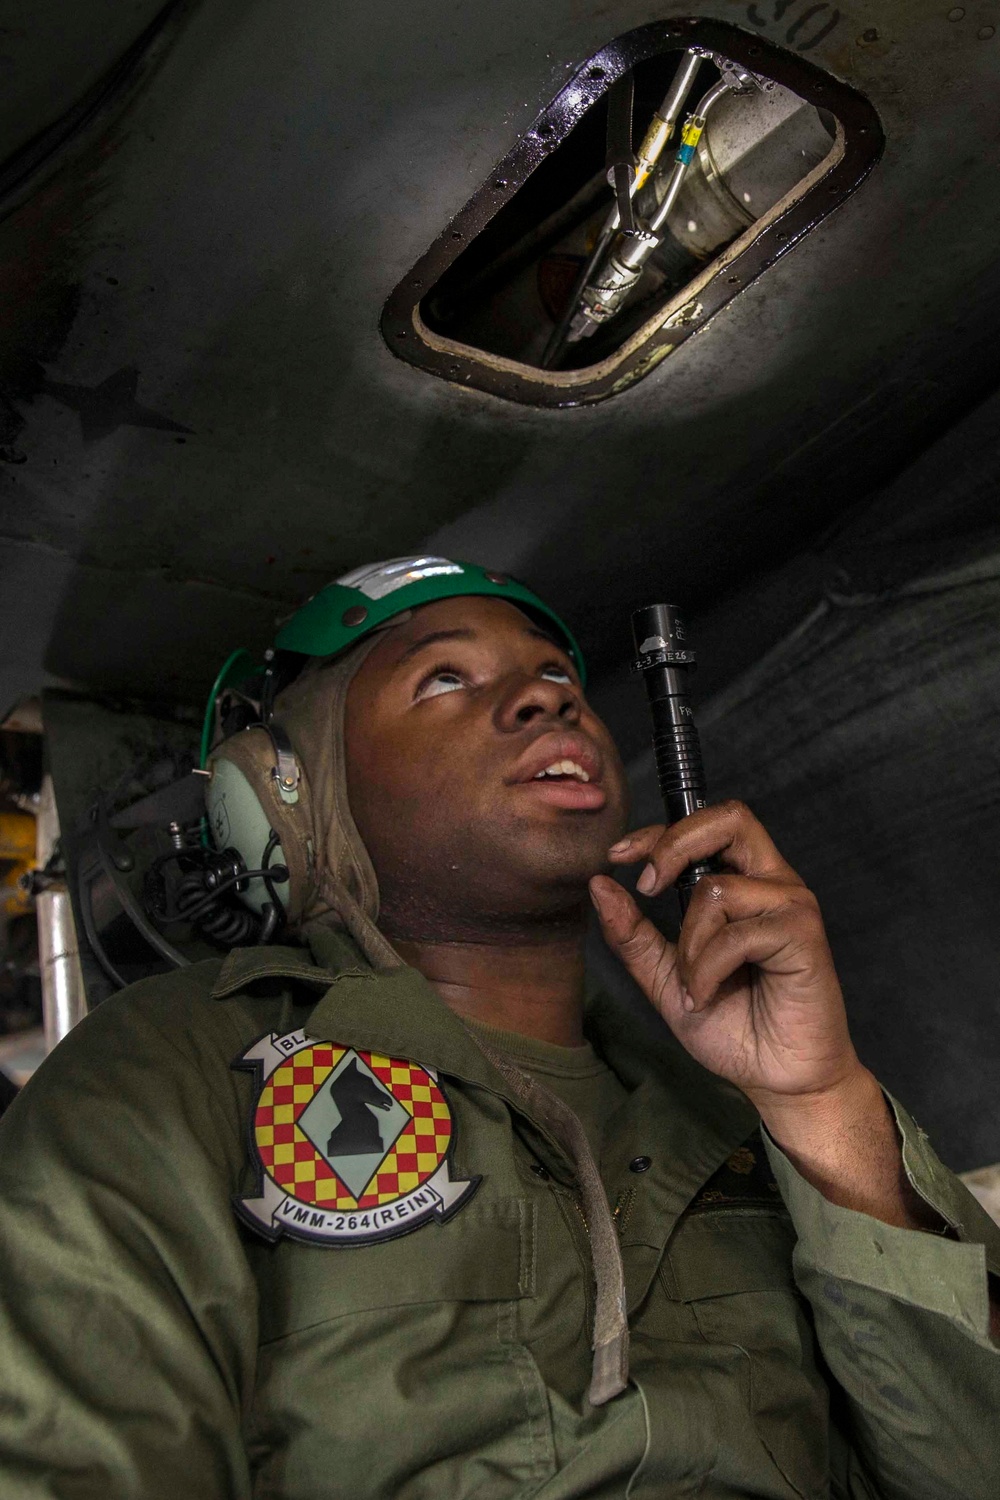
<point>663,658</point>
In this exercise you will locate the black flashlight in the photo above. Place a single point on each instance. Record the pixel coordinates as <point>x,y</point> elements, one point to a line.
<point>665,661</point>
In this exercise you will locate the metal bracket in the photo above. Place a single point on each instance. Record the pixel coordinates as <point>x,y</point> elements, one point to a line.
<point>286,772</point>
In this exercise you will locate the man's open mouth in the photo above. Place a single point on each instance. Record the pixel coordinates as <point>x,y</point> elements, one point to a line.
<point>559,755</point>
<point>563,770</point>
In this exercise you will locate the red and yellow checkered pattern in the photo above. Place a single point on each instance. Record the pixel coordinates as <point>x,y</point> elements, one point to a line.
<point>296,1166</point>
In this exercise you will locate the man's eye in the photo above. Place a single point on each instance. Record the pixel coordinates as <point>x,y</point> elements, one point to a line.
<point>556,674</point>
<point>439,682</point>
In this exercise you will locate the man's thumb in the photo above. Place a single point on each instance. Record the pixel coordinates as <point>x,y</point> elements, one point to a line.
<point>641,947</point>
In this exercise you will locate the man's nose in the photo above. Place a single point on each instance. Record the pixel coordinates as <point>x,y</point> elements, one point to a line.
<point>531,698</point>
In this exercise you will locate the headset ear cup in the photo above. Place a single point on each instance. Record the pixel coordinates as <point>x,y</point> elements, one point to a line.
<point>245,806</point>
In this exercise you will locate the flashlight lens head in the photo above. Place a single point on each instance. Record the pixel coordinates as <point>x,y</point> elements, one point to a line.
<point>658,627</point>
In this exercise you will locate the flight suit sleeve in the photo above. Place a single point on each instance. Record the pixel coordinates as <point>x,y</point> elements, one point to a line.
<point>902,1319</point>
<point>128,1315</point>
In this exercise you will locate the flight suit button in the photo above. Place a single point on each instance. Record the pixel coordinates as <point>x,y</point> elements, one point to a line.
<point>540,1171</point>
<point>640,1164</point>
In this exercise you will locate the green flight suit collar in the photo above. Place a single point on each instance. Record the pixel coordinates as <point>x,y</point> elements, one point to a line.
<point>684,1119</point>
<point>329,957</point>
<point>397,1013</point>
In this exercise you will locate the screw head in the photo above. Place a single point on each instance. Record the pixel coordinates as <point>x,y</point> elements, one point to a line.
<point>355,615</point>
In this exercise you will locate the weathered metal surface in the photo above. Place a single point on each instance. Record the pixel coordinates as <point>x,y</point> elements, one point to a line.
<point>211,425</point>
<point>688,313</point>
<point>64,998</point>
<point>53,56</point>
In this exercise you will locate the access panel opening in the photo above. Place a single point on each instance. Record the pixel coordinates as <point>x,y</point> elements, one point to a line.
<point>681,156</point>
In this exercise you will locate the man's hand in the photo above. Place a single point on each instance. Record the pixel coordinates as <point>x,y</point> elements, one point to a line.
<point>751,992</point>
<point>750,988</point>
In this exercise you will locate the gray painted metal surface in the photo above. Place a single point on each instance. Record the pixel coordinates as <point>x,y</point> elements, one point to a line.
<point>212,426</point>
<point>200,423</point>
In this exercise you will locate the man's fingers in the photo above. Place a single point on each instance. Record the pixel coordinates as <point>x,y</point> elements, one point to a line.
<point>762,940</point>
<point>722,899</point>
<point>735,920</point>
<point>728,829</point>
<point>637,845</point>
<point>642,948</point>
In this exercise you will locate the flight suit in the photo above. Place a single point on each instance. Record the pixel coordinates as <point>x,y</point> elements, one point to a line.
<point>155,1345</point>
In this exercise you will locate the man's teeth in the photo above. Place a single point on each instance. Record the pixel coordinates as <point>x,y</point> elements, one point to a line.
<point>563,768</point>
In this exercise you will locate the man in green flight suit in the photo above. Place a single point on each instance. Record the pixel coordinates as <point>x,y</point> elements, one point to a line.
<point>390,1211</point>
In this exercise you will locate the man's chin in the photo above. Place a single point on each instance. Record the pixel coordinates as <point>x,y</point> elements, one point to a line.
<point>522,885</point>
<point>563,858</point>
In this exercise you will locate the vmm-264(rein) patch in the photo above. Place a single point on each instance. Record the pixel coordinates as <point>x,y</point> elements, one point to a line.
<point>350,1147</point>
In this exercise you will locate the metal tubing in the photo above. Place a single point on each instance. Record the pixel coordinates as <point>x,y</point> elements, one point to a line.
<point>662,125</point>
<point>696,123</point>
<point>607,288</point>
<point>660,130</point>
<point>64,999</point>
<point>677,176</point>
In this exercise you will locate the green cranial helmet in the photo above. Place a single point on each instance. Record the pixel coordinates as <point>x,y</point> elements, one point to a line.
<point>359,602</point>
<point>354,605</point>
